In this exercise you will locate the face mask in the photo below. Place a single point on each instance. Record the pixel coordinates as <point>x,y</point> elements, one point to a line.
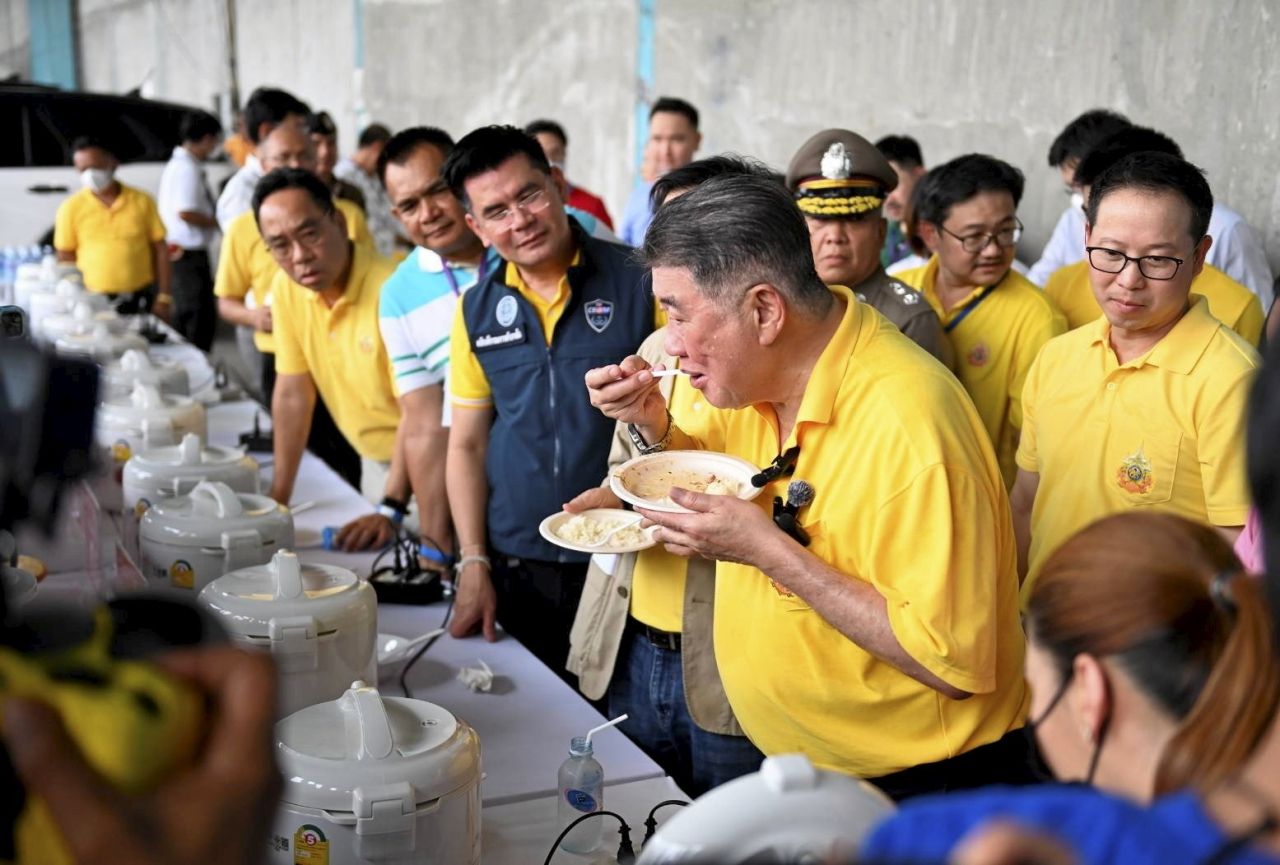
<point>1077,200</point>
<point>96,179</point>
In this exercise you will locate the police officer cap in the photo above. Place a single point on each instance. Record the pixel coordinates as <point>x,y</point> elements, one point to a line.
<point>838,174</point>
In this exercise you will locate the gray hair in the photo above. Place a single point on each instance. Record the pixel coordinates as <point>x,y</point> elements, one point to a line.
<point>735,231</point>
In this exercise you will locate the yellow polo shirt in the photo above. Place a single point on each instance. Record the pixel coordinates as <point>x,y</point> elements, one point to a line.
<point>246,267</point>
<point>1229,301</point>
<point>341,347</point>
<point>1164,431</point>
<point>657,583</point>
<point>114,246</point>
<point>994,346</point>
<point>468,385</point>
<point>908,498</point>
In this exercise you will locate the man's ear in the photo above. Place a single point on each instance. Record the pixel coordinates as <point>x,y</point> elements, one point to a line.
<point>928,235</point>
<point>1201,254</point>
<point>768,312</point>
<point>562,185</point>
<point>477,229</point>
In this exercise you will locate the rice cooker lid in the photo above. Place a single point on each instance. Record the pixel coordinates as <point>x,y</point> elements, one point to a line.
<point>100,341</point>
<point>346,754</point>
<point>145,402</point>
<point>189,458</point>
<point>136,366</point>
<point>212,509</point>
<point>252,600</point>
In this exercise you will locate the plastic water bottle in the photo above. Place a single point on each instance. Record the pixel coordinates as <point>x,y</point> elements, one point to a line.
<point>581,784</point>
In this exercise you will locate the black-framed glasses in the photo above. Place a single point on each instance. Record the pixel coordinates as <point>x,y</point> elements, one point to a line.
<point>1004,238</point>
<point>1158,267</point>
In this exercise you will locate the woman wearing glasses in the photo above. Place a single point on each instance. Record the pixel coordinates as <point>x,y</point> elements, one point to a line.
<point>1153,671</point>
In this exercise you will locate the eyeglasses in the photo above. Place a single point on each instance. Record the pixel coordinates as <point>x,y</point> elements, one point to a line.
<point>1158,267</point>
<point>534,201</point>
<point>1004,238</point>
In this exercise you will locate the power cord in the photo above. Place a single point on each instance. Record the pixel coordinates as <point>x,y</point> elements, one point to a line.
<point>651,822</point>
<point>626,853</point>
<point>422,650</point>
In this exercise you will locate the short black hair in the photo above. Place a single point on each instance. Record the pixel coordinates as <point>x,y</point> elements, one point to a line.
<point>85,142</point>
<point>292,178</point>
<point>374,133</point>
<point>320,123</point>
<point>675,106</point>
<point>198,125</point>
<point>735,231</point>
<point>402,145</point>
<point>486,148</point>
<point>548,126</point>
<point>902,149</point>
<point>700,171</point>
<point>1119,144</point>
<point>270,106</point>
<point>1084,133</point>
<point>959,180</point>
<point>1152,171</point>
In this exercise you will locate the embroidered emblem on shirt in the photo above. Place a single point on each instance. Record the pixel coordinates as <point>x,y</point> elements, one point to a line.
<point>506,311</point>
<point>979,355</point>
<point>1134,475</point>
<point>836,164</point>
<point>910,298</point>
<point>783,592</point>
<point>366,344</point>
<point>599,314</point>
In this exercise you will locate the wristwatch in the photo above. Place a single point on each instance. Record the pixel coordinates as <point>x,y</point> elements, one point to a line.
<point>644,447</point>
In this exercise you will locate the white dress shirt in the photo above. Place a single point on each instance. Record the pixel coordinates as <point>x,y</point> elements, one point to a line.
<point>184,189</point>
<point>237,195</point>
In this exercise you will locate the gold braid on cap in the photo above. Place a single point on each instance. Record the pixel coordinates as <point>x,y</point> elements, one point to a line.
<point>821,196</point>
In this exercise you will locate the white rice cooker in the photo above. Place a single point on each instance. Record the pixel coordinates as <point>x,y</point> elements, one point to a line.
<point>165,472</point>
<point>189,541</point>
<point>136,367</point>
<point>318,621</point>
<point>99,344</point>
<point>80,319</point>
<point>377,779</point>
<point>145,419</point>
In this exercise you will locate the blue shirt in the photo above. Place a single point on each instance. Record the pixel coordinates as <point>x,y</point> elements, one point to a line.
<point>1100,829</point>
<point>637,216</point>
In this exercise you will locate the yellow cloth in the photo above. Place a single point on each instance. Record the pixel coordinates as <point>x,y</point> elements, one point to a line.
<point>238,148</point>
<point>114,246</point>
<point>909,499</point>
<point>1229,301</point>
<point>1164,431</point>
<point>657,584</point>
<point>246,266</point>
<point>468,385</point>
<point>341,347</point>
<point>994,347</point>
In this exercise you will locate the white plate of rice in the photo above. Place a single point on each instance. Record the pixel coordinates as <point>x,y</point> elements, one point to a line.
<point>583,531</point>
<point>646,481</point>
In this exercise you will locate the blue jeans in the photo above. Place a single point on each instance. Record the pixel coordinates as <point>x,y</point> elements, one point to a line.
<point>648,685</point>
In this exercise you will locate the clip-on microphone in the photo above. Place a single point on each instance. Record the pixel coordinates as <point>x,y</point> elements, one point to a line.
<point>783,464</point>
<point>799,494</point>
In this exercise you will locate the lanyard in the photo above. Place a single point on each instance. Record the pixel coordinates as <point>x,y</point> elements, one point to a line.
<point>964,313</point>
<point>453,281</point>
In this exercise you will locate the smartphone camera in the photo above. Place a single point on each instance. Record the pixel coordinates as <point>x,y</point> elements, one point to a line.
<point>13,322</point>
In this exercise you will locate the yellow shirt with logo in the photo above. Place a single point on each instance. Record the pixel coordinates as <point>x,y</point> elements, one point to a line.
<point>468,385</point>
<point>657,583</point>
<point>908,499</point>
<point>1164,431</point>
<point>246,267</point>
<point>341,348</point>
<point>994,346</point>
<point>1229,301</point>
<point>114,246</point>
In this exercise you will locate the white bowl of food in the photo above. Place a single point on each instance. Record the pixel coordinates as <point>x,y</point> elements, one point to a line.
<point>597,530</point>
<point>646,481</point>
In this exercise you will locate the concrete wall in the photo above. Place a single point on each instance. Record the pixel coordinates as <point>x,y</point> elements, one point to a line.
<point>960,75</point>
<point>15,39</point>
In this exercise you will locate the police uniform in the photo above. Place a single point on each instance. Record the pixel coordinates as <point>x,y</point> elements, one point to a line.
<point>838,174</point>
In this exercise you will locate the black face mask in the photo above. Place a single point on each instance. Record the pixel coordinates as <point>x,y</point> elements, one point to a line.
<point>1042,767</point>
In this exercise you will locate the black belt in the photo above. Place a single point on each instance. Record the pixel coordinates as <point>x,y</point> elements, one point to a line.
<point>669,640</point>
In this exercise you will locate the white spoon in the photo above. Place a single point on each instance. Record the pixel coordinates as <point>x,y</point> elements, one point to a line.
<point>663,373</point>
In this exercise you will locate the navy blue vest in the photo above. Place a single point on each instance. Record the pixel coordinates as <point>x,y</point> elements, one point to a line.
<point>548,443</point>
